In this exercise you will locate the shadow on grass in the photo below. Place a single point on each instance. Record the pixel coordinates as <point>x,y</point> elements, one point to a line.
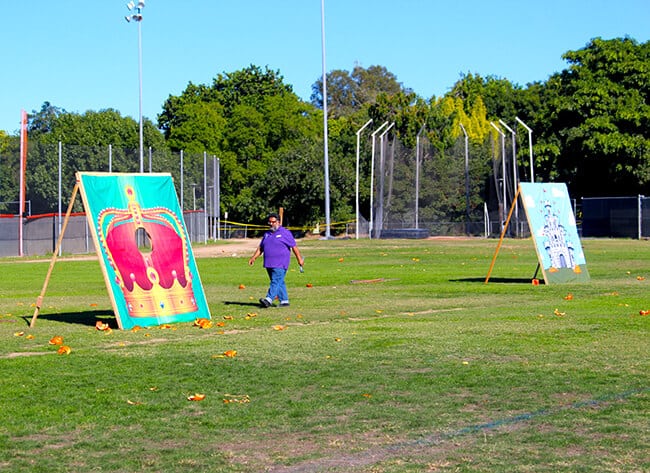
<point>87,317</point>
<point>245,304</point>
<point>497,280</point>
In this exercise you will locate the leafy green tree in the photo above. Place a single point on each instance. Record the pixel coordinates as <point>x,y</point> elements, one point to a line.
<point>246,118</point>
<point>85,139</point>
<point>597,119</point>
<point>348,93</point>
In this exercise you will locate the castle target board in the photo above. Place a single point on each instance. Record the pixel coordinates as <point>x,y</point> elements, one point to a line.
<point>143,248</point>
<point>553,227</point>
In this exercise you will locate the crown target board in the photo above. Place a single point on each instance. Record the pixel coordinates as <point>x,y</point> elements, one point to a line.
<point>143,247</point>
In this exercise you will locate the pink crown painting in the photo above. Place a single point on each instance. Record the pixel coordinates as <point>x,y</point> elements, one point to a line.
<point>143,248</point>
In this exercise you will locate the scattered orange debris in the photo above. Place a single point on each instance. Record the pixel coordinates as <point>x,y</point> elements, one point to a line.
<point>535,282</point>
<point>640,278</point>
<point>568,297</point>
<point>19,334</point>
<point>340,260</point>
<point>220,324</point>
<point>101,326</point>
<point>309,285</point>
<point>230,399</point>
<point>230,353</point>
<point>241,286</point>
<point>228,317</point>
<point>203,323</point>
<point>196,397</point>
<point>64,350</point>
<point>558,313</point>
<point>644,312</point>
<point>279,327</point>
<point>136,328</point>
<point>57,340</point>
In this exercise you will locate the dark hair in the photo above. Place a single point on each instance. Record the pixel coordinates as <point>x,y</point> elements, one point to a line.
<point>274,215</point>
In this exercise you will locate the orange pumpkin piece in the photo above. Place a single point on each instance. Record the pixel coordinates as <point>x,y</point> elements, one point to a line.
<point>101,326</point>
<point>196,397</point>
<point>56,340</point>
<point>64,350</point>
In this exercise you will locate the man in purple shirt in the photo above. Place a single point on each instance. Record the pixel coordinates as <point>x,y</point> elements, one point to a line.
<point>276,245</point>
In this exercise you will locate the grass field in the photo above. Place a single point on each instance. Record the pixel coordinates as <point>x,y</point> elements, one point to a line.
<point>394,356</point>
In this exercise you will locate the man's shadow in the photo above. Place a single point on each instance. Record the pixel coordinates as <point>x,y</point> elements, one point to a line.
<point>244,304</point>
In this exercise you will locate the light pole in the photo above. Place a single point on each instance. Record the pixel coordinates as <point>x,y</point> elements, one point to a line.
<point>530,147</point>
<point>137,17</point>
<point>372,176</point>
<point>380,189</point>
<point>466,176</point>
<point>325,134</point>
<point>417,176</point>
<point>515,177</point>
<point>357,180</point>
<point>503,172</point>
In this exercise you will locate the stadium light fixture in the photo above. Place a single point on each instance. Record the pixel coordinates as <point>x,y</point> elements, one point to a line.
<point>136,16</point>
<point>530,147</point>
<point>372,176</point>
<point>357,179</point>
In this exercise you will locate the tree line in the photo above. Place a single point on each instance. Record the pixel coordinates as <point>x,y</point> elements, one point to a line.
<point>591,125</point>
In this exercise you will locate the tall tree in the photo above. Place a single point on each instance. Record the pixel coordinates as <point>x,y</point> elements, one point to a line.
<point>247,118</point>
<point>597,114</point>
<point>348,93</point>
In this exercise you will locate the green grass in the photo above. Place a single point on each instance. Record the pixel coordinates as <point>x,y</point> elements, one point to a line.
<point>399,358</point>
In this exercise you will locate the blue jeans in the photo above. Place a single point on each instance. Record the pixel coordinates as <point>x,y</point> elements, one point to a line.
<point>277,288</point>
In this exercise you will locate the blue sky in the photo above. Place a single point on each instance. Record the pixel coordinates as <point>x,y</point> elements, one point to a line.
<point>83,55</point>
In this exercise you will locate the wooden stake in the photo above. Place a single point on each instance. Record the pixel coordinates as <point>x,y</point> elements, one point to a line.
<point>503,234</point>
<point>39,300</point>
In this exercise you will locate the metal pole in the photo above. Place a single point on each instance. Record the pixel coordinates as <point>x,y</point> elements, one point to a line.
<point>503,172</point>
<point>357,178</point>
<point>110,158</point>
<point>515,177</point>
<point>218,205</point>
<point>372,177</point>
<point>215,209</point>
<point>325,133</point>
<point>205,194</point>
<point>60,192</point>
<point>466,177</point>
<point>182,189</point>
<point>137,17</point>
<point>380,209</point>
<point>530,147</point>
<point>140,92</point>
<point>417,177</point>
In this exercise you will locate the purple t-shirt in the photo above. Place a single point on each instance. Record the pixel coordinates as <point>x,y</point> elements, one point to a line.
<point>276,247</point>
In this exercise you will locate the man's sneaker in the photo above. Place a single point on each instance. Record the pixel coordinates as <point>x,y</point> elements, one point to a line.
<point>264,302</point>
<point>284,304</point>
